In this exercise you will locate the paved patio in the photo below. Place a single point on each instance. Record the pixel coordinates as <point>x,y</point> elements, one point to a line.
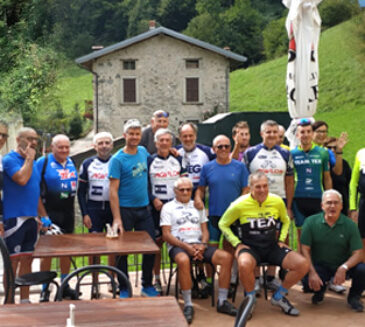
<point>333,312</point>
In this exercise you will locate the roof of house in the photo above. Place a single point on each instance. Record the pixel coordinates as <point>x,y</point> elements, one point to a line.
<point>86,60</point>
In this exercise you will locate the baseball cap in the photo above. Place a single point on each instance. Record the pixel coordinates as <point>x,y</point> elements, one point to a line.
<point>131,123</point>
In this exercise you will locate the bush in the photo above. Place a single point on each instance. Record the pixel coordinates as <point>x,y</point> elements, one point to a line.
<point>75,123</point>
<point>275,39</point>
<point>334,12</point>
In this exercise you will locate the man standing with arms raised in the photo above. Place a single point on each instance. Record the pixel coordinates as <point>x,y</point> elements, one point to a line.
<point>129,198</point>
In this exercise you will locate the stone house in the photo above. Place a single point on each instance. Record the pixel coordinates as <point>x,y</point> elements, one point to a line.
<point>158,69</point>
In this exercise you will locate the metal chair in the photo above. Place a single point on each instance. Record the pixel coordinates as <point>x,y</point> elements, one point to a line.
<point>82,272</point>
<point>11,283</point>
<point>194,265</point>
<point>263,266</point>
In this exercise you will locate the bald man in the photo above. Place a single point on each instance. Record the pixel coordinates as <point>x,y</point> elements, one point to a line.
<point>226,179</point>
<point>21,201</point>
<point>59,183</point>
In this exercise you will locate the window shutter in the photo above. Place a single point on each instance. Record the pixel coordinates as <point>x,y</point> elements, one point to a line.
<point>129,90</point>
<point>192,89</point>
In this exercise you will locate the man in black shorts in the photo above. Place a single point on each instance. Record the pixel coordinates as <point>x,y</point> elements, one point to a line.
<point>258,213</point>
<point>185,230</point>
<point>59,181</point>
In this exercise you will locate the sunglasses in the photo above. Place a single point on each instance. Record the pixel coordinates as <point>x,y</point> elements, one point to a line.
<point>163,114</point>
<point>223,146</point>
<point>184,189</point>
<point>304,122</point>
<point>331,147</point>
<point>4,135</point>
<point>321,132</point>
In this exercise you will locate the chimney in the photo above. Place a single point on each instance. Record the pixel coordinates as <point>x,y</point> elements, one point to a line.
<point>97,47</point>
<point>152,24</point>
<point>227,48</point>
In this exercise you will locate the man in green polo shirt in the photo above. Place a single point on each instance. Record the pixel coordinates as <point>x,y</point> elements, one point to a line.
<point>332,243</point>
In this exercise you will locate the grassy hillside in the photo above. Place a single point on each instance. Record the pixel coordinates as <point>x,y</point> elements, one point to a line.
<point>341,86</point>
<point>262,88</point>
<point>74,86</point>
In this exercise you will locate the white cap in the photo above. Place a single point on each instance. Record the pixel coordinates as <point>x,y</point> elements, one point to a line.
<point>132,123</point>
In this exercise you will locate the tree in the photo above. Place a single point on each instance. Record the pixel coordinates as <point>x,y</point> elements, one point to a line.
<point>238,27</point>
<point>176,14</point>
<point>242,30</point>
<point>275,38</point>
<point>334,12</point>
<point>29,82</point>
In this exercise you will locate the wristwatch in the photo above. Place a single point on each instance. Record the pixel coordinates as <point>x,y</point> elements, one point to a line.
<point>345,266</point>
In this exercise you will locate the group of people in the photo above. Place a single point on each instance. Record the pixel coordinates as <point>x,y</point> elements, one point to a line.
<point>153,185</point>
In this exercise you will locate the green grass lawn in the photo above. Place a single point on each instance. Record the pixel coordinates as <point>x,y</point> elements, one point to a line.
<point>74,86</point>
<point>341,100</point>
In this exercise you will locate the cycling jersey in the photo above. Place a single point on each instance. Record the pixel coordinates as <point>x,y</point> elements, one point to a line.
<point>162,173</point>
<point>309,168</point>
<point>357,183</point>
<point>93,183</point>
<point>257,221</point>
<point>195,160</point>
<point>19,201</point>
<point>61,182</point>
<point>185,221</point>
<point>275,163</point>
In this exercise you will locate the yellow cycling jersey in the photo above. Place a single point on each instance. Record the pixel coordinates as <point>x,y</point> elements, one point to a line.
<point>257,222</point>
<point>357,183</point>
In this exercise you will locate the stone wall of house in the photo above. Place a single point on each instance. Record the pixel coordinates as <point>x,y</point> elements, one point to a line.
<point>15,123</point>
<point>160,72</point>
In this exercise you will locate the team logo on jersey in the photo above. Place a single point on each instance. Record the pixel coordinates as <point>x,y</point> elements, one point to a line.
<point>138,170</point>
<point>66,174</point>
<point>262,223</point>
<point>308,181</point>
<point>99,176</point>
<point>187,216</point>
<point>164,174</point>
<point>193,169</point>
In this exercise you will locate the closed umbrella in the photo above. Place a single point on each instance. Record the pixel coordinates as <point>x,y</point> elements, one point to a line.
<point>303,25</point>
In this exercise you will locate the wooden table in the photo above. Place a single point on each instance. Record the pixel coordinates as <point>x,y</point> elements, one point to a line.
<point>161,311</point>
<point>94,244</point>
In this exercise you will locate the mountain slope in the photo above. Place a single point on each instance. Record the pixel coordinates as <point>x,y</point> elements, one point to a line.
<point>341,100</point>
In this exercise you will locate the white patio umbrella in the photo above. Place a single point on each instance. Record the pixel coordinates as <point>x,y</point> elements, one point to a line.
<point>303,25</point>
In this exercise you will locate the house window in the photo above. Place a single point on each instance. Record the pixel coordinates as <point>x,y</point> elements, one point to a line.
<point>129,90</point>
<point>192,89</point>
<point>192,63</point>
<point>129,64</point>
